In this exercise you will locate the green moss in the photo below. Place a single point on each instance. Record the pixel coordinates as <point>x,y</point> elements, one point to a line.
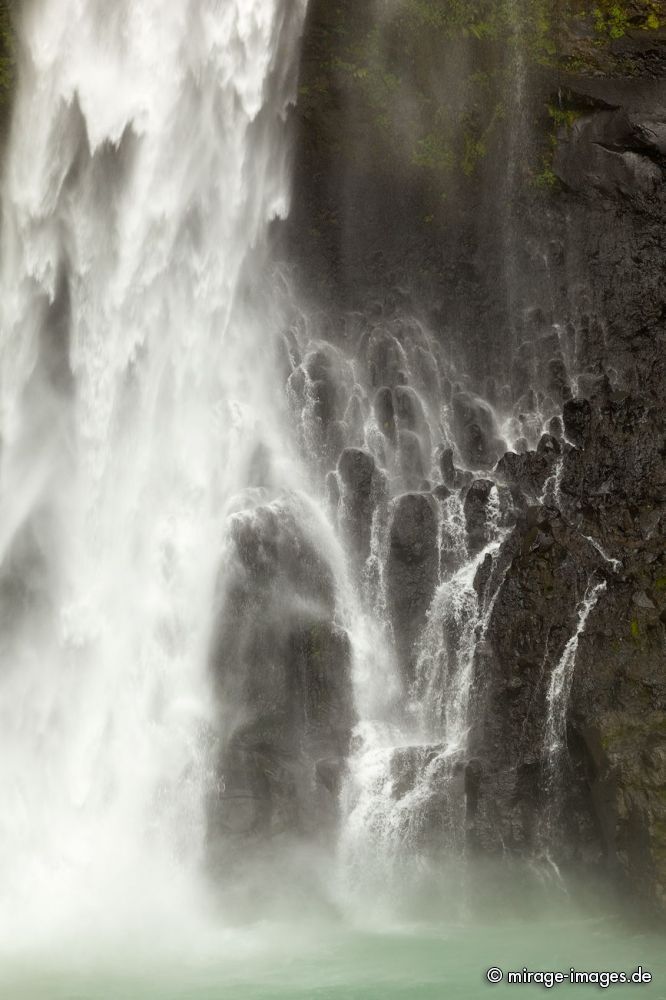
<point>546,179</point>
<point>563,117</point>
<point>589,29</point>
<point>635,628</point>
<point>612,20</point>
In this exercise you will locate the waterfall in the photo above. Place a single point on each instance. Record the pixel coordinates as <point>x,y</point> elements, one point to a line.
<point>562,676</point>
<point>136,384</point>
<point>555,730</point>
<point>405,798</point>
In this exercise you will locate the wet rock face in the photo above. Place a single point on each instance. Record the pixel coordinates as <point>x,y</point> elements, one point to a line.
<point>412,570</point>
<point>577,416</point>
<point>580,500</point>
<point>612,153</point>
<point>361,489</point>
<point>385,413</point>
<point>447,468</point>
<point>557,380</point>
<point>412,465</point>
<point>534,616</point>
<point>614,489</point>
<point>574,370</point>
<point>439,808</point>
<point>608,524</point>
<point>282,672</point>
<point>384,358</point>
<point>540,591</point>
<point>476,431</point>
<point>452,477</point>
<point>318,389</point>
<point>478,514</point>
<point>527,472</point>
<point>549,446</point>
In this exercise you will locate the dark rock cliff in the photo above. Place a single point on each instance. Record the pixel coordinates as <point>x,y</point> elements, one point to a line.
<point>501,179</point>
<point>282,672</point>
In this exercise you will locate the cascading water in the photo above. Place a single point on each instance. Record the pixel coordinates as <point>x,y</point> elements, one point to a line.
<point>135,386</point>
<point>405,798</point>
<point>562,677</point>
<point>557,704</point>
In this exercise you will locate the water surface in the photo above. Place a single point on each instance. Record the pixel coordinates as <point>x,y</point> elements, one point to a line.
<point>268,962</point>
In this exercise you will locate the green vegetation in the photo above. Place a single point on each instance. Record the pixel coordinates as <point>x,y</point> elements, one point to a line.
<point>546,179</point>
<point>476,18</point>
<point>609,21</point>
<point>435,86</point>
<point>563,117</point>
<point>615,19</point>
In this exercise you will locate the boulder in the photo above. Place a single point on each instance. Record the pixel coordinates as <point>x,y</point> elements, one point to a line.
<point>453,478</point>
<point>527,472</point>
<point>577,417</point>
<point>282,670</point>
<point>412,570</point>
<point>478,514</point>
<point>476,431</point>
<point>385,413</point>
<point>360,491</point>
<point>549,446</point>
<point>412,464</point>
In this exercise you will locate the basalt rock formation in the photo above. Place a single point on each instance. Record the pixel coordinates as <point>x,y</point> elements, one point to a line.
<point>509,387</point>
<point>282,670</point>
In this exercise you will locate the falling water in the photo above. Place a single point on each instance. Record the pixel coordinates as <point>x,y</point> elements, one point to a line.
<point>562,676</point>
<point>405,798</point>
<point>555,731</point>
<point>518,135</point>
<point>615,564</point>
<point>135,383</point>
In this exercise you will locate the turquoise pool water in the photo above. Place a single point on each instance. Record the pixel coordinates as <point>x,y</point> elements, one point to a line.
<point>325,960</point>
